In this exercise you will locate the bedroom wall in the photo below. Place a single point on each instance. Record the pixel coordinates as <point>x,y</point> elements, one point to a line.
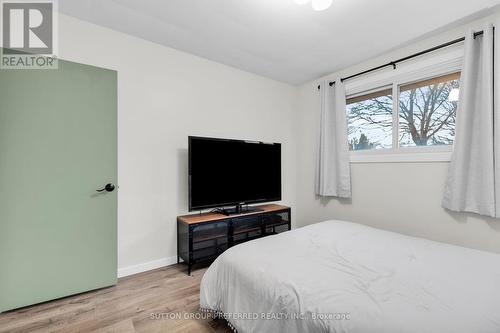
<point>164,95</point>
<point>402,197</point>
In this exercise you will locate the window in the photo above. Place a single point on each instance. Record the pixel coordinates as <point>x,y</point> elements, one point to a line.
<point>369,120</point>
<point>424,115</point>
<point>427,111</point>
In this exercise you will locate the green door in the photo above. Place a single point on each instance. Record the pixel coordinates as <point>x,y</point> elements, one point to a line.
<point>58,145</point>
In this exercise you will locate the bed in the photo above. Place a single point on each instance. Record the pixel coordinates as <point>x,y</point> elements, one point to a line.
<point>339,276</point>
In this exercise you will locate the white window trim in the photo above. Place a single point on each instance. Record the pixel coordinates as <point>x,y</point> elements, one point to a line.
<point>403,155</point>
<point>448,63</point>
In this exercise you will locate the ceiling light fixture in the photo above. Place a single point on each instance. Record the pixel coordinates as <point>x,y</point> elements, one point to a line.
<point>321,4</point>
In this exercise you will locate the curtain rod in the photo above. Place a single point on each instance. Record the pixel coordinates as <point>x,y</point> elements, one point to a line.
<point>395,62</point>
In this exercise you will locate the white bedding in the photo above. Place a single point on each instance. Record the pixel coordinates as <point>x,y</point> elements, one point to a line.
<point>371,280</point>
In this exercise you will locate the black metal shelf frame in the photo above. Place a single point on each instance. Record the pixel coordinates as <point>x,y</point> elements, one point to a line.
<point>214,237</point>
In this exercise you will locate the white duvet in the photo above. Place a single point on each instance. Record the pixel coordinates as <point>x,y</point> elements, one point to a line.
<point>344,277</point>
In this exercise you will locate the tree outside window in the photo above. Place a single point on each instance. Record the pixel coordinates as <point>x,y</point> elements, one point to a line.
<point>369,120</point>
<point>427,112</point>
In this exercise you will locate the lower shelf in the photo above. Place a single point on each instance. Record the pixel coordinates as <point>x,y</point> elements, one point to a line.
<point>208,252</point>
<point>236,242</point>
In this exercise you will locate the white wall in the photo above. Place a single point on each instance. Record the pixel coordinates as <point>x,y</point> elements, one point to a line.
<point>403,197</point>
<point>164,95</point>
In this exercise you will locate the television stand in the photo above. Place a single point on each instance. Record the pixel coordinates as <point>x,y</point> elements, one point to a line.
<point>240,209</point>
<point>203,237</point>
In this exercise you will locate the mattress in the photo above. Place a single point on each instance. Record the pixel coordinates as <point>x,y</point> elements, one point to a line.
<point>339,276</point>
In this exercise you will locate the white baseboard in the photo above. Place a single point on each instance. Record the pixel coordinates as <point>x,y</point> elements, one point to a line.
<point>147,266</point>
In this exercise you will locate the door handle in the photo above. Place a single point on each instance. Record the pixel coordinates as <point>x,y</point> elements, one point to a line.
<point>108,188</point>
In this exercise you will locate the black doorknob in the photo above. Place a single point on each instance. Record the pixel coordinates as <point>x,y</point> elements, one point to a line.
<point>108,188</point>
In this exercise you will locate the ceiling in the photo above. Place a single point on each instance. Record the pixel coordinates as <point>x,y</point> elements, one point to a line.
<point>278,38</point>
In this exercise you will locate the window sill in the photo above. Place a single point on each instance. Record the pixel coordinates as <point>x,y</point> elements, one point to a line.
<point>399,157</point>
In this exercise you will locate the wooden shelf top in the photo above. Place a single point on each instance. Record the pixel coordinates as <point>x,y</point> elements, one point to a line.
<point>213,216</point>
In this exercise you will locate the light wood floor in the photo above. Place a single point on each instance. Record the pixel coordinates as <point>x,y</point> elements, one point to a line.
<point>127,307</point>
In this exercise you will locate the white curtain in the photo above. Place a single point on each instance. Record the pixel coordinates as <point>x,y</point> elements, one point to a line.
<point>473,183</point>
<point>333,175</point>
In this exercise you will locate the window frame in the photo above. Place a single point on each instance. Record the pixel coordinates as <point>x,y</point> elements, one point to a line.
<point>406,75</point>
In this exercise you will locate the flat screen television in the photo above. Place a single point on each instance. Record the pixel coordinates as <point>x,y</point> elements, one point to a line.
<point>224,172</point>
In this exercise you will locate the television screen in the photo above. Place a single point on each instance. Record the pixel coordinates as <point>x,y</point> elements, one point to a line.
<point>225,172</point>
